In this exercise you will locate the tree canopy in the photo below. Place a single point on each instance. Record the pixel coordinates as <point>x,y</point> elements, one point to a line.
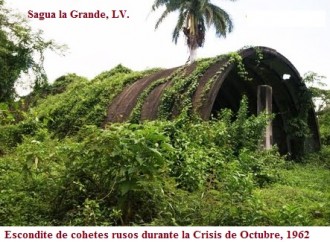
<point>320,95</point>
<point>194,17</point>
<point>21,51</point>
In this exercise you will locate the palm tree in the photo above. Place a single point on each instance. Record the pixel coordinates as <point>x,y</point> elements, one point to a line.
<point>194,17</point>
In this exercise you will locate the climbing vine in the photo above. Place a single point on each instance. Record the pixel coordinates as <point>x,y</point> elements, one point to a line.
<point>215,77</point>
<point>230,59</point>
<point>136,113</point>
<point>237,59</point>
<point>259,54</point>
<point>83,102</point>
<point>298,127</point>
<point>176,95</point>
<point>186,97</point>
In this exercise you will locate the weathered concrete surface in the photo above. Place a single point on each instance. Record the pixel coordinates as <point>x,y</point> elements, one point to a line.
<point>226,91</point>
<point>265,105</point>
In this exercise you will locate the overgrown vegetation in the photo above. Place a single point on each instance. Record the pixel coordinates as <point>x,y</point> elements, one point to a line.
<point>321,97</point>
<point>21,52</point>
<point>57,167</point>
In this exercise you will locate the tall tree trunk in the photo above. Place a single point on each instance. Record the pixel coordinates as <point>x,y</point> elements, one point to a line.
<point>192,54</point>
<point>192,38</point>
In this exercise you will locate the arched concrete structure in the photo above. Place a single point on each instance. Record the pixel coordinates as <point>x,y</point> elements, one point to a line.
<point>225,91</point>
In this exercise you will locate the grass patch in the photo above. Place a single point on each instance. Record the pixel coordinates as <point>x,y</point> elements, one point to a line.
<point>301,197</point>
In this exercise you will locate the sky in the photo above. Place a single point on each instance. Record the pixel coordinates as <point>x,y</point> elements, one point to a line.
<point>298,29</point>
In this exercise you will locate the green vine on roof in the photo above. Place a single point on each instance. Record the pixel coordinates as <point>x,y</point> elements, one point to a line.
<point>232,58</point>
<point>167,99</point>
<point>178,96</point>
<point>136,113</point>
<point>259,54</point>
<point>186,98</point>
<point>182,89</point>
<point>83,103</point>
<point>236,58</point>
<point>211,81</point>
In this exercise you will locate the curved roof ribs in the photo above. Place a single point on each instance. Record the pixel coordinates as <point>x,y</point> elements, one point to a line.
<point>219,86</point>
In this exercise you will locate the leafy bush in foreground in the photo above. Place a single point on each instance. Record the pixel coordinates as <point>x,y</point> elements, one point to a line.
<point>324,119</point>
<point>161,172</point>
<point>57,167</point>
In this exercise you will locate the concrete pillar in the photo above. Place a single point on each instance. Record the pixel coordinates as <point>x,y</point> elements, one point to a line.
<point>265,105</point>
